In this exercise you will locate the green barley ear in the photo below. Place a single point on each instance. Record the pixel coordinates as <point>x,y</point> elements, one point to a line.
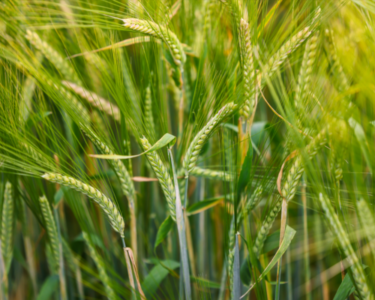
<point>290,46</point>
<point>253,200</point>
<point>51,229</point>
<point>289,189</point>
<point>248,71</point>
<point>196,145</point>
<point>105,203</point>
<point>235,9</point>
<point>303,86</point>
<point>7,226</point>
<point>219,175</point>
<point>54,254</point>
<point>341,82</point>
<point>152,29</point>
<point>343,240</point>
<point>95,100</point>
<point>127,185</point>
<point>101,267</point>
<point>120,169</point>
<point>71,100</point>
<point>163,177</point>
<point>368,223</point>
<point>53,56</point>
<point>148,117</point>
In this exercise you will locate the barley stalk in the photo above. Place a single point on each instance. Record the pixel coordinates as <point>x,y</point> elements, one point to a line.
<point>7,226</point>
<point>152,29</point>
<point>196,145</point>
<point>101,268</point>
<point>343,240</point>
<point>53,56</point>
<point>163,177</point>
<point>105,203</point>
<point>95,100</point>
<point>248,71</point>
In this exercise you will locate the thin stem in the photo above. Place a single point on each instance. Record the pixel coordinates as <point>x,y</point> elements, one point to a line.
<point>130,271</point>
<point>181,233</point>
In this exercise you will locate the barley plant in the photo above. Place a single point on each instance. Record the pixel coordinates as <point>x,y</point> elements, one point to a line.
<point>187,149</point>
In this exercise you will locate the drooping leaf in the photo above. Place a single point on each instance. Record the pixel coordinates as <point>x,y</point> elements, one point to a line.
<point>156,276</point>
<point>166,139</point>
<point>163,231</point>
<point>245,173</point>
<point>206,283</point>
<point>203,205</point>
<point>345,289</point>
<point>289,235</point>
<point>49,286</point>
<point>36,118</point>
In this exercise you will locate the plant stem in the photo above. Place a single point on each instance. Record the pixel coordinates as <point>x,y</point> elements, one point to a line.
<point>181,233</point>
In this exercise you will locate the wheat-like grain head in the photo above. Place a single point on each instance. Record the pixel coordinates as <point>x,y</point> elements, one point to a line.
<point>196,145</point>
<point>51,229</point>
<point>160,32</point>
<point>7,225</point>
<point>105,203</point>
<point>344,242</point>
<point>95,100</point>
<point>101,267</point>
<point>163,176</point>
<point>53,56</point>
<point>248,71</point>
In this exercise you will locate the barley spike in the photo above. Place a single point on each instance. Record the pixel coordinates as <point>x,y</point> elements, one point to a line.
<point>163,177</point>
<point>7,226</point>
<point>196,145</point>
<point>105,203</point>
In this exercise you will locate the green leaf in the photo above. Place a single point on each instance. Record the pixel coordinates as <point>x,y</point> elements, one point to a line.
<point>258,131</point>
<point>156,276</point>
<point>58,196</point>
<point>35,118</point>
<point>203,205</point>
<point>206,283</point>
<point>345,289</point>
<point>245,174</point>
<point>163,231</point>
<point>167,139</point>
<point>272,242</point>
<point>230,126</point>
<point>289,235</point>
<point>49,286</point>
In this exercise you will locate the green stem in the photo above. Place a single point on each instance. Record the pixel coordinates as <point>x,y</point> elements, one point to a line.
<point>181,233</point>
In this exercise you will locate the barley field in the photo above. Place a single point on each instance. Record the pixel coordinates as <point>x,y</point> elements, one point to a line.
<point>187,149</point>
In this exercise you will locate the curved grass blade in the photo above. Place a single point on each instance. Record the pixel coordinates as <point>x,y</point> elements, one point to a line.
<point>166,139</point>
<point>289,235</point>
